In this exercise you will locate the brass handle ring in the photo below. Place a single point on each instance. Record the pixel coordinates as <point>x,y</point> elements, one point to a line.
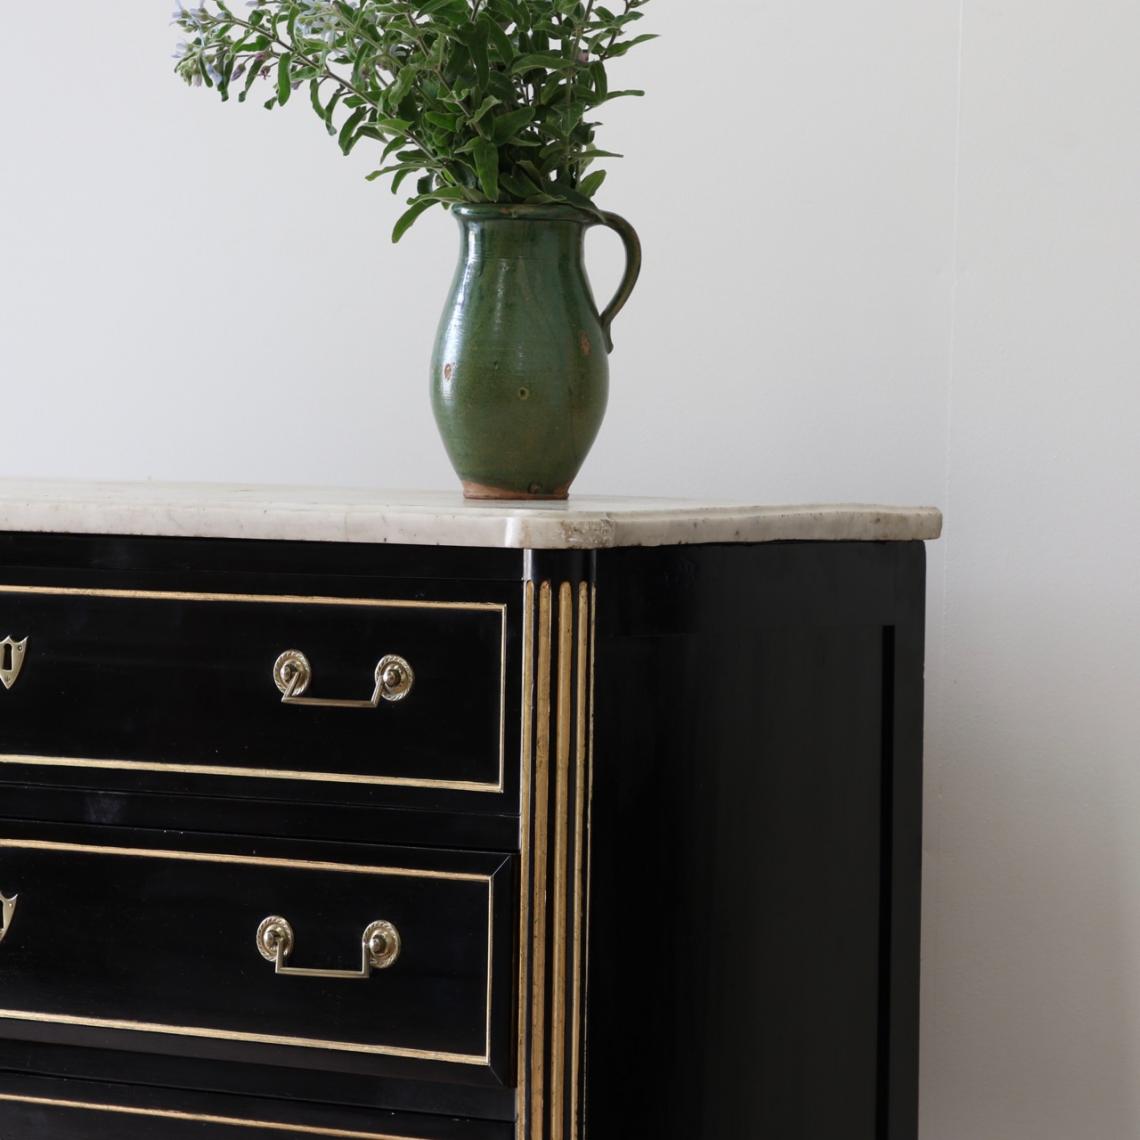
<point>292,674</point>
<point>379,949</point>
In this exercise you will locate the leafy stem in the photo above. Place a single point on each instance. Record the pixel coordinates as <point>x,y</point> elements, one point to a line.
<point>468,99</point>
<point>326,71</point>
<point>574,170</point>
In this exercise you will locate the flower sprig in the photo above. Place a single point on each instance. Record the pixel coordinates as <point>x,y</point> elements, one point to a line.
<point>477,100</point>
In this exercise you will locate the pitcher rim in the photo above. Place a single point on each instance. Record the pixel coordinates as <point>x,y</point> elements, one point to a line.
<point>523,212</point>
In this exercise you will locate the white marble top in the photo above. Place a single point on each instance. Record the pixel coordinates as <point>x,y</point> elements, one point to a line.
<point>434,518</point>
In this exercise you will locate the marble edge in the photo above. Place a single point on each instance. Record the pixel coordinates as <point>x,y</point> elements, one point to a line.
<point>506,526</point>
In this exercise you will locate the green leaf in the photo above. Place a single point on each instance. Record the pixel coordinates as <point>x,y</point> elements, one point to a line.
<point>250,78</point>
<point>433,7</point>
<point>401,167</point>
<point>408,219</point>
<point>540,60</point>
<point>499,40</point>
<point>393,145</point>
<point>447,194</point>
<point>488,104</point>
<point>575,198</point>
<point>348,131</point>
<point>592,183</point>
<point>510,11</point>
<point>618,95</point>
<point>443,120</point>
<point>315,97</point>
<point>403,84</point>
<point>601,80</point>
<point>620,49</point>
<point>554,88</point>
<point>519,185</point>
<point>507,126</point>
<point>330,126</point>
<point>486,156</point>
<point>284,79</point>
<point>478,49</point>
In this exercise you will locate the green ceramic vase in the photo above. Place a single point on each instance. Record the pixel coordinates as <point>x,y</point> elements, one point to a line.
<point>520,374</point>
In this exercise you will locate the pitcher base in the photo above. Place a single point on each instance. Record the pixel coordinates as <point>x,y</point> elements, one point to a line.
<point>482,491</point>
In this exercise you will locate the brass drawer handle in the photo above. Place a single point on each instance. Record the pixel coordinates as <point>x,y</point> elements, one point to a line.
<point>7,913</point>
<point>292,674</point>
<point>379,949</point>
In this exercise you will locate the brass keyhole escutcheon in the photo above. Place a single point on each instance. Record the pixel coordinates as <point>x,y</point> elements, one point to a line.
<point>11,660</point>
<point>7,914</point>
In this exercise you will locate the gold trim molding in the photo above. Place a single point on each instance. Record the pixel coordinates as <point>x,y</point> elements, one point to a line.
<point>556,837</point>
<point>527,765</point>
<point>540,827</point>
<point>199,1118</point>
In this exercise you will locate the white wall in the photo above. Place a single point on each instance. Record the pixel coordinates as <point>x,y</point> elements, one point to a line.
<point>1033,935</point>
<point>892,254</point>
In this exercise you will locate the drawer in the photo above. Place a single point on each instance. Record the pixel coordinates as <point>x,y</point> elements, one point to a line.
<point>36,1117</point>
<point>382,960</point>
<point>261,686</point>
<point>76,1113</point>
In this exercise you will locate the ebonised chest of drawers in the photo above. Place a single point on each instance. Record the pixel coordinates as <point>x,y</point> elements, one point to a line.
<point>326,816</point>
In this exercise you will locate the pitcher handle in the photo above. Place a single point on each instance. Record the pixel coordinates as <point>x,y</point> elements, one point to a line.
<point>632,245</point>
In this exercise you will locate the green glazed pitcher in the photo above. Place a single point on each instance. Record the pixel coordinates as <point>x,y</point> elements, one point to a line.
<point>520,374</point>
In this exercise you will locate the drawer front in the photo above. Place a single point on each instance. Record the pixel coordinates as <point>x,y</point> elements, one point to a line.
<point>24,1117</point>
<point>190,683</point>
<point>396,962</point>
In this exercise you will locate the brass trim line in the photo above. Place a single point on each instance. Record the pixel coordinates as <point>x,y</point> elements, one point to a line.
<point>527,760</point>
<point>557,1089</point>
<point>200,1118</point>
<point>260,1038</point>
<point>282,599</point>
<point>539,874</point>
<point>490,967</point>
<point>207,1034</point>
<point>273,773</point>
<point>585,672</point>
<point>250,773</point>
<point>585,1124</point>
<point>245,860</point>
